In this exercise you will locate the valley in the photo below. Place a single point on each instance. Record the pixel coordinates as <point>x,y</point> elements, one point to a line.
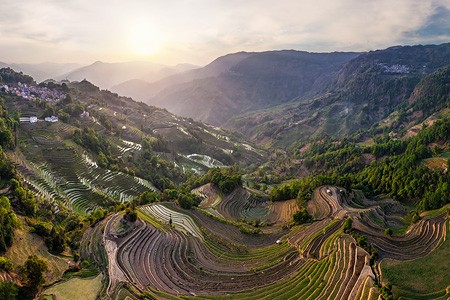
<point>331,182</point>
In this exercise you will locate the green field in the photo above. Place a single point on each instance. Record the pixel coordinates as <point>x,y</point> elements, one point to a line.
<point>76,288</point>
<point>426,275</point>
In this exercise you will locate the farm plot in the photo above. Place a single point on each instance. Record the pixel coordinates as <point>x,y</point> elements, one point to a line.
<point>180,221</point>
<point>76,288</point>
<point>407,277</point>
<point>210,195</point>
<point>338,276</point>
<point>325,202</point>
<point>231,236</point>
<point>419,241</point>
<point>436,163</point>
<point>77,180</point>
<point>282,211</point>
<point>129,147</point>
<point>205,160</point>
<point>244,205</point>
<point>9,277</point>
<point>179,264</point>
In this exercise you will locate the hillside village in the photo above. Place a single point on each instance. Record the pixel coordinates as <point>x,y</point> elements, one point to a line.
<point>34,92</point>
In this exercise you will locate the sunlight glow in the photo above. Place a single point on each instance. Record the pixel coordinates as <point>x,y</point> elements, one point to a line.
<point>145,39</point>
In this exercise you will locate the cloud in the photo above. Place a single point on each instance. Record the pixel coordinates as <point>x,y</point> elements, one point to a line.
<point>197,31</point>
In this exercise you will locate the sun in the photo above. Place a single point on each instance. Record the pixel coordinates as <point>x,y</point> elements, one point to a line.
<point>145,40</point>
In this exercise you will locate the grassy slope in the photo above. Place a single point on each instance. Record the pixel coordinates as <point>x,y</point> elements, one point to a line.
<point>76,288</point>
<point>26,243</point>
<point>422,276</point>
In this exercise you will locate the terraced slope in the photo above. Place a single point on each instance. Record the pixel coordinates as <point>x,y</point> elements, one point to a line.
<point>63,173</point>
<point>407,277</point>
<point>326,202</point>
<point>175,263</point>
<point>199,256</point>
<point>185,262</point>
<point>419,241</point>
<point>244,205</point>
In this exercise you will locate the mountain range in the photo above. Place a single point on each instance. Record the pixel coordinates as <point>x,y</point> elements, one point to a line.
<point>275,97</point>
<point>105,75</point>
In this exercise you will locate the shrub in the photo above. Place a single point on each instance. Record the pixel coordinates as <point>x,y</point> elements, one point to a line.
<point>6,264</point>
<point>348,225</point>
<point>388,231</point>
<point>130,215</point>
<point>301,216</point>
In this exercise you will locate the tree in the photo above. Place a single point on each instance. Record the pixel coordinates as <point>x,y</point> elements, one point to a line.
<point>130,215</point>
<point>8,291</point>
<point>148,197</point>
<point>102,160</point>
<point>301,216</point>
<point>33,275</point>
<point>8,223</point>
<point>6,264</point>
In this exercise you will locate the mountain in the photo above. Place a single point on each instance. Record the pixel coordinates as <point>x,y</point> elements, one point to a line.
<point>42,71</point>
<point>242,82</point>
<point>137,88</point>
<point>365,90</point>
<point>107,75</point>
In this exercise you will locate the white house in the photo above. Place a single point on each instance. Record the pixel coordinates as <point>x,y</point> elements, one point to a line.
<point>51,119</point>
<point>84,114</point>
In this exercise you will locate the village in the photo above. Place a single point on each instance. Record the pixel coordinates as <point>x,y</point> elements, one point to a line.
<point>34,92</point>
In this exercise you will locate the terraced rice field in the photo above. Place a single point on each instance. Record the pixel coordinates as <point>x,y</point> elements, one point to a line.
<point>244,205</point>
<point>199,256</point>
<point>419,241</point>
<point>175,263</point>
<point>180,221</point>
<point>210,195</point>
<point>9,277</point>
<point>205,160</point>
<point>325,202</point>
<point>79,182</point>
<point>129,147</point>
<point>282,211</point>
<point>171,262</point>
<point>407,277</point>
<point>436,163</point>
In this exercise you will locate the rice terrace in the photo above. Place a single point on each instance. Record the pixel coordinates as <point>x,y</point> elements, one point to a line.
<point>257,150</point>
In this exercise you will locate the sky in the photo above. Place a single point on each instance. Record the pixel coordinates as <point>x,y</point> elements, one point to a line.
<point>198,31</point>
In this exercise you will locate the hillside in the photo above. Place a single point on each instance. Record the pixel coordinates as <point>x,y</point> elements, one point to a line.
<point>242,82</point>
<point>102,139</point>
<point>365,91</point>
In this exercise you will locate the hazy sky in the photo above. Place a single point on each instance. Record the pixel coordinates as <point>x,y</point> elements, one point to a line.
<point>197,31</point>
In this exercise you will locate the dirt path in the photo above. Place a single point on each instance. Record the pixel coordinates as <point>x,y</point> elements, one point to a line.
<point>115,273</point>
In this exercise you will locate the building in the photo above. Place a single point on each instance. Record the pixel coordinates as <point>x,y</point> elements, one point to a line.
<point>84,114</point>
<point>33,119</point>
<point>51,119</point>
